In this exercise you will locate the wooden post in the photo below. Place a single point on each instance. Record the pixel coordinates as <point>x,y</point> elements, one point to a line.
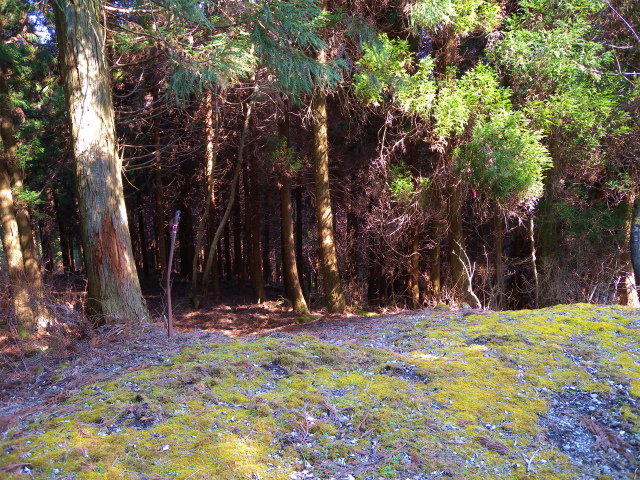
<point>173,224</point>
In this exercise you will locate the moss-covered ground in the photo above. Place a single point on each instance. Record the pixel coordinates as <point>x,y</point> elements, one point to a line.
<point>443,396</point>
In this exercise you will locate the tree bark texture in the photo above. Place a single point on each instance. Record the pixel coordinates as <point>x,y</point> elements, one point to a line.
<point>334,296</point>
<point>289,260</point>
<point>288,252</point>
<point>627,288</point>
<point>23,218</point>
<point>113,287</point>
<point>211,153</point>
<point>24,312</point>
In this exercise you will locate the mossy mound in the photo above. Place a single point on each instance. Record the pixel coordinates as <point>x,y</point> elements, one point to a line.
<point>479,396</point>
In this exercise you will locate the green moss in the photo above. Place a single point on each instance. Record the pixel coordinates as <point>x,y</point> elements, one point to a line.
<point>306,319</point>
<point>231,410</point>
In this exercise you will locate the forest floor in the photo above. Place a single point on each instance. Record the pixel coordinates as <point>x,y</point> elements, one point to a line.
<point>255,392</point>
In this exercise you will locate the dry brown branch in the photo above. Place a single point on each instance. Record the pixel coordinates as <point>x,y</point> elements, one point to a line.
<point>494,445</point>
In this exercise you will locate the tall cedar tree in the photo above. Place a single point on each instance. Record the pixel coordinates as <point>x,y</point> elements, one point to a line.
<point>113,287</point>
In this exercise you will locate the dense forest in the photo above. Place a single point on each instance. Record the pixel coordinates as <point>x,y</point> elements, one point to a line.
<point>402,153</point>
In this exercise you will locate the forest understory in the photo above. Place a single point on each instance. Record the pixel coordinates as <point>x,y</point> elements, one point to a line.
<point>248,391</point>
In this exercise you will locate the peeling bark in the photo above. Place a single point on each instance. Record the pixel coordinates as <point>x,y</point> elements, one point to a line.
<point>113,288</point>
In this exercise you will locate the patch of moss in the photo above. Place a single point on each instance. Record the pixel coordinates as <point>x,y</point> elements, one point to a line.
<point>306,319</point>
<point>263,407</point>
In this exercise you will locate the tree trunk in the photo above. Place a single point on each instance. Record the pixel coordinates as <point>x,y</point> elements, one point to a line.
<point>159,193</point>
<point>227,254</point>
<point>232,194</point>
<point>299,237</point>
<point>47,246</point>
<point>288,253</point>
<point>334,296</point>
<point>266,243</point>
<point>238,265</point>
<point>212,135</point>
<point>534,265</point>
<point>185,232</point>
<point>24,312</point>
<point>634,238</point>
<point>290,267</point>
<point>435,257</point>
<point>498,241</point>
<point>23,219</point>
<point>135,237</point>
<point>144,247</point>
<point>353,240</point>
<point>373,297</point>
<point>113,288</point>
<point>456,239</point>
<point>253,230</point>
<point>65,244</point>
<point>413,266</point>
<point>627,288</point>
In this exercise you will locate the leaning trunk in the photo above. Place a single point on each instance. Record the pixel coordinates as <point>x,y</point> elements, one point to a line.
<point>232,193</point>
<point>113,288</point>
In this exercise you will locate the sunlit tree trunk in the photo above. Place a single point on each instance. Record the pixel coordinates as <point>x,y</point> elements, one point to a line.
<point>113,288</point>
<point>334,296</point>
<point>634,238</point>
<point>23,219</point>
<point>211,152</point>
<point>25,315</point>
<point>627,289</point>
<point>292,280</point>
